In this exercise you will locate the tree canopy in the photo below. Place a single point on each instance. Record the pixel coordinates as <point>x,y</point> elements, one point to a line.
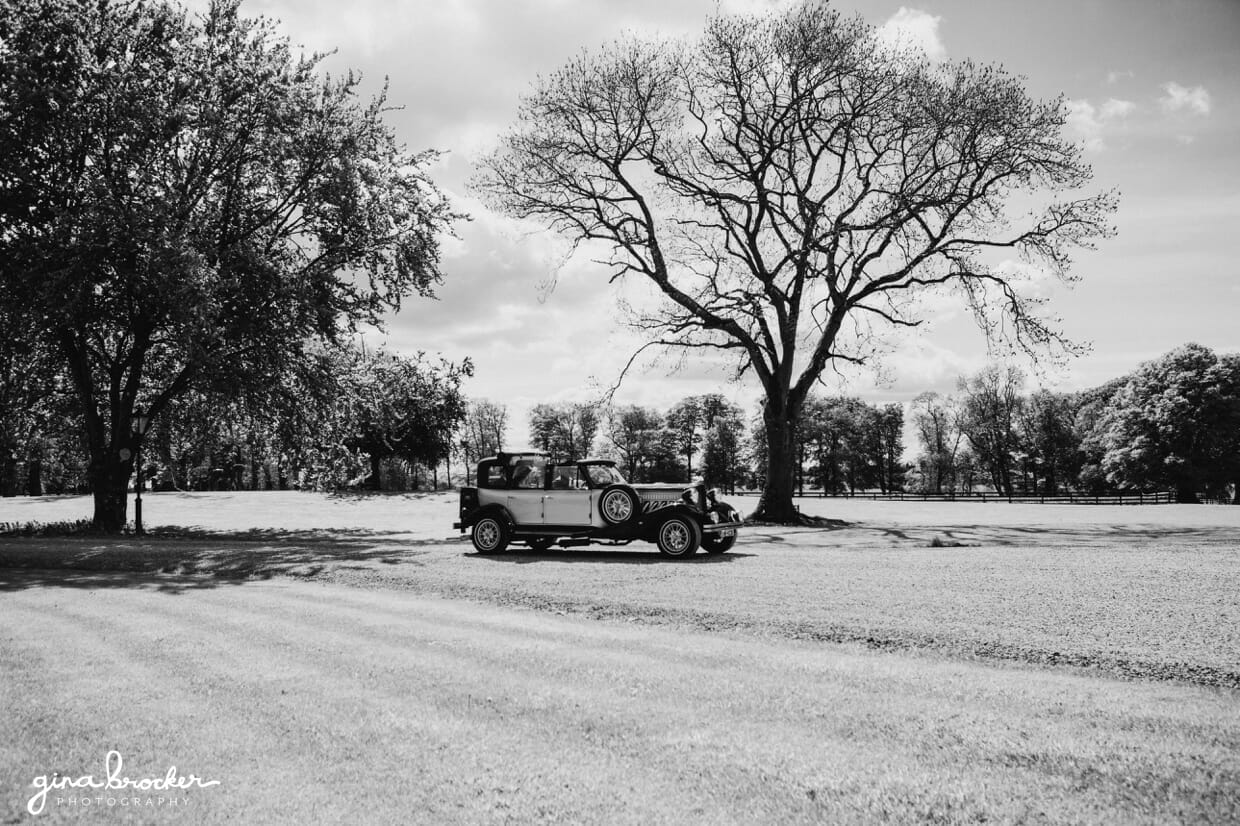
<point>1176,423</point>
<point>788,186</point>
<point>185,203</point>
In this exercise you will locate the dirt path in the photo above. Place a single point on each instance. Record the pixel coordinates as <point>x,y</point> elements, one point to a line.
<point>315,703</point>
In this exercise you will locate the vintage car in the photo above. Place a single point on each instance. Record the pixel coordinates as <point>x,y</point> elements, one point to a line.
<point>527,498</point>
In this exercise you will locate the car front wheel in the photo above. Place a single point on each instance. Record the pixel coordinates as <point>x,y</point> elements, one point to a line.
<point>678,536</point>
<point>490,535</point>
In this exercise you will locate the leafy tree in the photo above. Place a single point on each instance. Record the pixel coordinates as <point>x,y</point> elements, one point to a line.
<point>293,433</point>
<point>850,444</point>
<point>1176,423</point>
<point>633,438</point>
<point>783,180</point>
<point>566,431</point>
<point>721,448</point>
<point>990,407</point>
<point>831,438</point>
<point>184,205</point>
<point>1091,405</point>
<point>689,423</point>
<point>885,429</point>
<point>1052,443</point>
<point>685,423</point>
<point>934,418</point>
<point>405,407</point>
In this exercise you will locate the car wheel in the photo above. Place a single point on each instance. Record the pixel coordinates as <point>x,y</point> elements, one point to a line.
<point>715,544</point>
<point>541,544</point>
<point>678,536</point>
<point>618,505</point>
<point>490,535</point>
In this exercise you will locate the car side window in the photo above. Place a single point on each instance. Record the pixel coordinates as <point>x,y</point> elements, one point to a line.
<point>565,477</point>
<point>528,474</point>
<point>494,477</point>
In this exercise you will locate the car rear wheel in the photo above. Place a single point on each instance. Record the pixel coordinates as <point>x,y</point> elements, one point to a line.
<point>678,536</point>
<point>490,535</point>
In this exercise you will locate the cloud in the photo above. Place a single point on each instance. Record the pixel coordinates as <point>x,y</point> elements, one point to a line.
<point>1195,101</point>
<point>1114,77</point>
<point>1090,122</point>
<point>914,29</point>
<point>1113,108</point>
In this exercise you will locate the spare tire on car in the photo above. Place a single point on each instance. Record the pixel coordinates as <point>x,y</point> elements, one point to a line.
<point>619,505</point>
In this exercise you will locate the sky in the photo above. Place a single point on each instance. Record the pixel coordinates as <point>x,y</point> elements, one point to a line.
<point>1153,88</point>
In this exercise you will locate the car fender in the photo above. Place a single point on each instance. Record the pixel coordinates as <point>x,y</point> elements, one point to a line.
<point>652,521</point>
<point>490,509</point>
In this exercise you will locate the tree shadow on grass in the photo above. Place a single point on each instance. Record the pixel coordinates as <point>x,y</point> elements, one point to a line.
<point>1026,536</point>
<point>523,556</point>
<point>364,495</point>
<point>178,560</point>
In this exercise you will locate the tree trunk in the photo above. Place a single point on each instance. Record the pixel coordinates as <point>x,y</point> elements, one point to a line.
<point>1186,493</point>
<point>775,504</point>
<point>34,477</point>
<point>376,480</point>
<point>109,484</point>
<point>8,474</point>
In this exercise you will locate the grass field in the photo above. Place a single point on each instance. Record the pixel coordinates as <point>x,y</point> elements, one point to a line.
<point>347,658</point>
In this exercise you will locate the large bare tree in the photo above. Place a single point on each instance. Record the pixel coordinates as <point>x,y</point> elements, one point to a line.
<point>790,186</point>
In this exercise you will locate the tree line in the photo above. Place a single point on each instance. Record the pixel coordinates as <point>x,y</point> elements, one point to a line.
<point>1172,424</point>
<point>344,418</point>
<point>375,420</point>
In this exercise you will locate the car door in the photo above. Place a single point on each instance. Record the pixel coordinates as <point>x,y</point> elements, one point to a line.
<point>567,502</point>
<point>525,497</point>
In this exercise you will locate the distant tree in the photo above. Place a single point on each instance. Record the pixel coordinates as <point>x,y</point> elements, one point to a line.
<point>566,431</point>
<point>934,419</point>
<point>1176,423</point>
<point>886,437</point>
<point>990,406</point>
<point>1047,423</point>
<point>633,439</point>
<point>721,447</point>
<point>1091,405</point>
<point>686,423</point>
<point>784,180</point>
<point>483,430</point>
<point>184,204</point>
<point>831,443</point>
<point>404,407</point>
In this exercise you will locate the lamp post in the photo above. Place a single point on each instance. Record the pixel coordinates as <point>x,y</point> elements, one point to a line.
<point>465,458</point>
<point>139,425</point>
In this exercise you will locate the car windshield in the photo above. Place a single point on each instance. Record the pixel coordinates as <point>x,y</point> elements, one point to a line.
<point>601,476</point>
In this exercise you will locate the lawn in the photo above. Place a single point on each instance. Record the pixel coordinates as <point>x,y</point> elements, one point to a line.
<point>348,658</point>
